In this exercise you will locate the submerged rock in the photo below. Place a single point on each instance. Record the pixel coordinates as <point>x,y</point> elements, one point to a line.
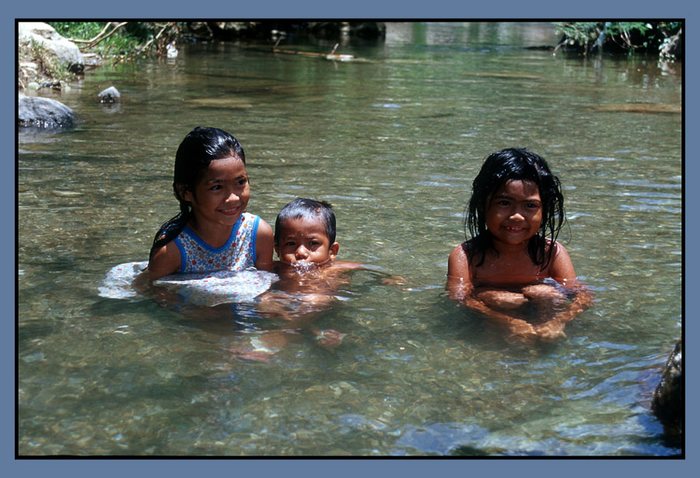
<point>223,103</point>
<point>668,402</point>
<point>656,108</point>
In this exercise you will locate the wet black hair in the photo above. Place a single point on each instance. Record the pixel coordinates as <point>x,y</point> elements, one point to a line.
<point>304,208</point>
<point>499,168</point>
<point>200,147</point>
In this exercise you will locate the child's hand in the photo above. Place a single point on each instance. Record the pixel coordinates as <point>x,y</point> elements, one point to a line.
<point>329,337</point>
<point>544,294</point>
<point>394,280</point>
<point>522,330</point>
<point>550,331</point>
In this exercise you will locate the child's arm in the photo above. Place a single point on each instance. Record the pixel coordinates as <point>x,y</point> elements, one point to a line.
<point>165,261</point>
<point>562,270</point>
<point>554,328</point>
<point>516,327</point>
<point>459,281</point>
<point>460,288</point>
<point>263,247</point>
<point>385,277</point>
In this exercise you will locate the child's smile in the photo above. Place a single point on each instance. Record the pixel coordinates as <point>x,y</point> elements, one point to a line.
<point>222,194</point>
<point>514,214</point>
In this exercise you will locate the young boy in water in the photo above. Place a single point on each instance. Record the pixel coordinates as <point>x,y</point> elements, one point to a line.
<point>305,244</point>
<point>309,273</point>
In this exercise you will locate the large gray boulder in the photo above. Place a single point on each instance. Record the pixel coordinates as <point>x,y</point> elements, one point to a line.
<point>38,112</point>
<point>46,37</point>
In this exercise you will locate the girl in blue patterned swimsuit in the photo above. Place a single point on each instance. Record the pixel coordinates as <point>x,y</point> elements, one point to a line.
<point>212,232</point>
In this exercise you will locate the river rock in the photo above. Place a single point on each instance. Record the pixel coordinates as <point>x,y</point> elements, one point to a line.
<point>38,112</point>
<point>46,37</point>
<point>668,402</point>
<point>109,95</point>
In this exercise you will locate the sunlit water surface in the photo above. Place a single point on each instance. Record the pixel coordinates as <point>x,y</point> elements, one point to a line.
<point>393,141</point>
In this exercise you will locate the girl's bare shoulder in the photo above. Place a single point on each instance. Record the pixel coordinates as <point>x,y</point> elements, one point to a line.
<point>458,261</point>
<point>561,268</point>
<point>164,261</point>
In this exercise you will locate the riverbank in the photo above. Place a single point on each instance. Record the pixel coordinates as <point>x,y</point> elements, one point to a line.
<point>45,58</point>
<point>49,58</point>
<point>94,42</point>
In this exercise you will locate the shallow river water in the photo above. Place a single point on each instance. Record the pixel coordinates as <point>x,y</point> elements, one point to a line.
<point>393,140</point>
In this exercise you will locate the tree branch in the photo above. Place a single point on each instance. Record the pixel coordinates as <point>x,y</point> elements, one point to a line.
<point>102,35</point>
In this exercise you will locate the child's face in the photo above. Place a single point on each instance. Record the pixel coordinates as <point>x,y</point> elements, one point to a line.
<point>514,212</point>
<point>222,194</point>
<point>305,240</point>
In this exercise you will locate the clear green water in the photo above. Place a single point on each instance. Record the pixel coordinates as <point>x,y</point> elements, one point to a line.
<point>393,142</point>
